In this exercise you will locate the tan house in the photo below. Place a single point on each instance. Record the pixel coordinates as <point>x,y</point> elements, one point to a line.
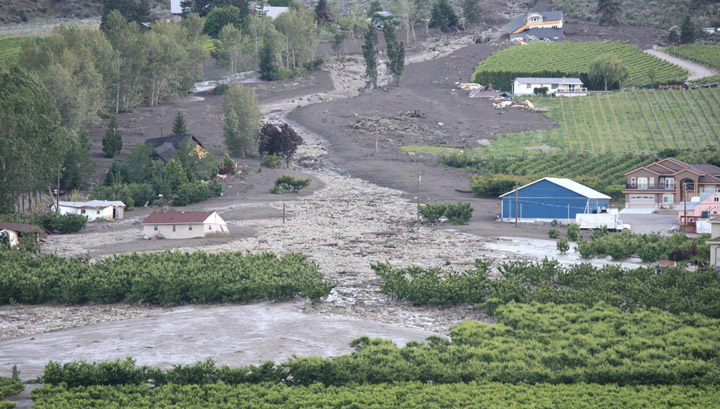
<point>714,243</point>
<point>183,225</point>
<point>665,183</point>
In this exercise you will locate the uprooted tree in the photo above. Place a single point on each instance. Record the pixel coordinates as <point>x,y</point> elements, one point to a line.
<point>280,140</point>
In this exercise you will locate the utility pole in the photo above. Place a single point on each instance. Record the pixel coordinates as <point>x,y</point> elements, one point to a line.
<point>685,206</point>
<point>57,197</point>
<point>516,205</point>
<point>417,193</point>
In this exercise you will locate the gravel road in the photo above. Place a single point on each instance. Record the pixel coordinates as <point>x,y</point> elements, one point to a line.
<point>696,71</point>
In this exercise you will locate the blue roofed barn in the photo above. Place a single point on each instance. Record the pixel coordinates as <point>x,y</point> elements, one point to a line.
<point>550,199</point>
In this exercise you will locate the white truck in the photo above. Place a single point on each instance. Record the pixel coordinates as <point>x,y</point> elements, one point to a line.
<point>609,218</point>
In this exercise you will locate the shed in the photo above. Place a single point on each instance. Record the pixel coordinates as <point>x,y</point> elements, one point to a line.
<point>13,231</point>
<point>94,209</point>
<point>549,199</point>
<point>183,225</point>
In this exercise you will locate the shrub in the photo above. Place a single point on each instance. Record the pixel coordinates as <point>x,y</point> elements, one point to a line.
<point>459,213</point>
<point>220,89</point>
<point>495,185</point>
<point>60,223</point>
<point>288,184</point>
<point>540,91</point>
<point>573,232</point>
<point>271,161</point>
<point>553,233</point>
<point>283,74</point>
<point>563,246</point>
<point>194,192</point>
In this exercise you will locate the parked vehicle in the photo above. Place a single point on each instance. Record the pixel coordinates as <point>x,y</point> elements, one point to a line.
<point>610,219</point>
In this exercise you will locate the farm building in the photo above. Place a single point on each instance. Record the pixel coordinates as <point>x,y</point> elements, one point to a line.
<point>183,225</point>
<point>94,209</point>
<point>549,199</point>
<point>13,232</point>
<point>544,25</point>
<point>559,87</point>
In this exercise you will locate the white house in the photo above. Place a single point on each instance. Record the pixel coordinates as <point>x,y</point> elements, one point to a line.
<point>269,11</point>
<point>94,209</point>
<point>559,87</point>
<point>543,25</point>
<point>176,11</point>
<point>183,225</point>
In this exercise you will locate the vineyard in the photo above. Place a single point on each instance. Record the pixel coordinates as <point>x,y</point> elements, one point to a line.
<point>384,396</point>
<point>10,48</point>
<point>677,290</point>
<point>166,278</point>
<point>568,59</point>
<point>708,55</point>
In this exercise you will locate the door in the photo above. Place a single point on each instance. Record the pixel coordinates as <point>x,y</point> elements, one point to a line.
<point>647,200</point>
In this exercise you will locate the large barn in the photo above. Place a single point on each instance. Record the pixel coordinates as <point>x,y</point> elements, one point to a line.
<point>549,199</point>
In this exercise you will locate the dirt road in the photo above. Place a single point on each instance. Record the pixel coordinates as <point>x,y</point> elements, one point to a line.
<point>696,71</point>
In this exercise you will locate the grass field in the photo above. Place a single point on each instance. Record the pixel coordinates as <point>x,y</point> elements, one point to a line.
<point>10,48</point>
<point>638,122</point>
<point>543,59</point>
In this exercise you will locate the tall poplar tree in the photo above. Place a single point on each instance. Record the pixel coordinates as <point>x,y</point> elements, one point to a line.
<point>369,50</point>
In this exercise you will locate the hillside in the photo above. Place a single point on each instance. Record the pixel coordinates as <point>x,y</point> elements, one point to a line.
<point>19,11</point>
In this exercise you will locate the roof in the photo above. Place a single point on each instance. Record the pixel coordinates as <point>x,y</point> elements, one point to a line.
<point>166,146</point>
<point>708,173</point>
<point>539,80</point>
<point>273,11</point>
<point>93,203</point>
<point>696,201</point>
<point>520,20</point>
<point>21,227</point>
<point>569,185</point>
<point>172,217</point>
<point>540,33</point>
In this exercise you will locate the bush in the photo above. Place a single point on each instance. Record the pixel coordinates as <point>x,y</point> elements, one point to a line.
<point>60,224</point>
<point>314,64</point>
<point>563,246</point>
<point>458,214</point>
<point>195,192</point>
<point>495,185</point>
<point>220,89</point>
<point>271,161</point>
<point>573,231</point>
<point>553,233</point>
<point>540,91</point>
<point>282,74</point>
<point>288,184</point>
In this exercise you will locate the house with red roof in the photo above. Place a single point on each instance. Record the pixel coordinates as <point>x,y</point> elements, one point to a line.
<point>666,183</point>
<point>183,225</point>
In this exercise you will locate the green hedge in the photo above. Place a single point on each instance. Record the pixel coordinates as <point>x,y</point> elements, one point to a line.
<point>165,278</point>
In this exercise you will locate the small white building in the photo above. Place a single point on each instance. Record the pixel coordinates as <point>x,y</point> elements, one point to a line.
<point>714,243</point>
<point>175,11</point>
<point>183,225</point>
<point>559,87</point>
<point>13,231</point>
<point>94,209</point>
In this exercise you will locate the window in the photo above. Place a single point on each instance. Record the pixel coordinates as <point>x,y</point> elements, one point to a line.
<point>668,198</point>
<point>529,86</point>
<point>97,212</point>
<point>554,86</point>
<point>173,227</point>
<point>652,182</point>
<point>190,227</point>
<point>210,227</point>
<point>642,183</point>
<point>716,199</point>
<point>670,183</point>
<point>82,211</point>
<point>155,227</point>
<point>632,182</point>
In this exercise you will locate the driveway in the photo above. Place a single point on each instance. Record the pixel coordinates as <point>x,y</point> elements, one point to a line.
<point>696,71</point>
<point>649,223</point>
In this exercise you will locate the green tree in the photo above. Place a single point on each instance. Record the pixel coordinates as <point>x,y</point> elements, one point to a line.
<point>472,12</point>
<point>77,163</point>
<point>132,10</point>
<point>175,175</point>
<point>112,142</point>
<point>321,11</point>
<point>32,141</point>
<point>267,65</point>
<point>395,52</point>
<point>219,17</point>
<point>608,69</point>
<point>281,141</point>
<point>673,35</point>
<point>687,31</point>
<point>199,164</point>
<point>608,11</point>
<point>242,120</point>
<point>298,31</point>
<point>563,246</point>
<point>229,50</point>
<point>375,7</point>
<point>179,127</point>
<point>370,54</point>
<point>443,16</point>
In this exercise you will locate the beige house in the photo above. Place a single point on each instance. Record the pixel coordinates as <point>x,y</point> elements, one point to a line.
<point>183,225</point>
<point>13,232</point>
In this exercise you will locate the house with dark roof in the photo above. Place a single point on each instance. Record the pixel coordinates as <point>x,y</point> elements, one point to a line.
<point>166,146</point>
<point>183,225</point>
<point>666,183</point>
<point>13,232</point>
<point>543,25</point>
